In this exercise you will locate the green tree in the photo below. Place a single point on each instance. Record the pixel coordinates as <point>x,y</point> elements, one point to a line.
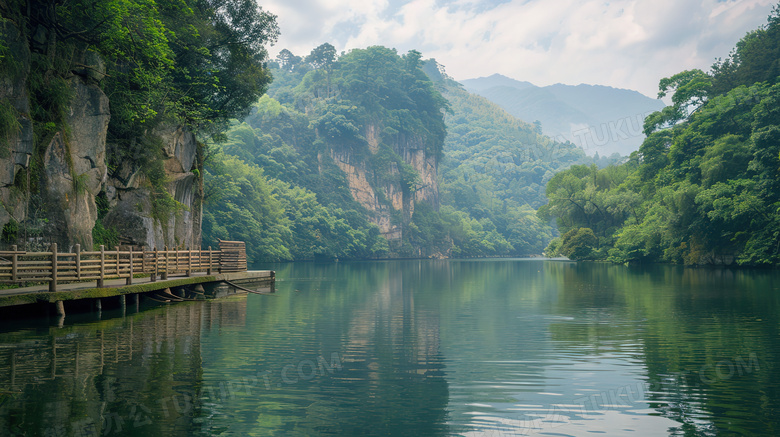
<point>703,188</point>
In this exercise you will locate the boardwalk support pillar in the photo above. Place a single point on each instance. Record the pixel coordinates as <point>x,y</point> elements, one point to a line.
<point>129,280</point>
<point>164,274</point>
<point>14,264</point>
<point>60,308</point>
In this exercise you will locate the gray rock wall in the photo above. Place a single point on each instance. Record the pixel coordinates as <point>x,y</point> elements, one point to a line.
<point>130,197</point>
<point>17,147</point>
<point>74,165</point>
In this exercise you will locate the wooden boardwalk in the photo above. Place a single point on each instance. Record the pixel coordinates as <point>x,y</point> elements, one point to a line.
<point>55,267</point>
<point>64,277</point>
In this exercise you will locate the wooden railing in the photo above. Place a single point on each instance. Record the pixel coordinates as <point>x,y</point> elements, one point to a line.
<point>56,267</point>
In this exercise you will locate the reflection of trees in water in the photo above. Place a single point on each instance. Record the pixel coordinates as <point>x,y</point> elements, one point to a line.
<point>708,338</point>
<point>391,380</point>
<point>490,325</point>
<point>136,375</point>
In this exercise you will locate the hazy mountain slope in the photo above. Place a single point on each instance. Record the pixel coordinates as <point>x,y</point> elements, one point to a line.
<point>541,104</point>
<point>597,118</point>
<point>496,80</point>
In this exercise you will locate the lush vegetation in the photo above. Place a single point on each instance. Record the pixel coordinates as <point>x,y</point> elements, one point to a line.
<point>197,63</point>
<point>323,105</point>
<point>369,104</point>
<point>703,188</point>
<point>493,175</point>
<point>280,221</point>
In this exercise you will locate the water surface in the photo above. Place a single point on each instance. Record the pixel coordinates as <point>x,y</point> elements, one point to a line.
<point>430,348</point>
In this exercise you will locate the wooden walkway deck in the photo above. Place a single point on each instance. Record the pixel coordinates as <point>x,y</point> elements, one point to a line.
<point>65,277</point>
<point>117,287</point>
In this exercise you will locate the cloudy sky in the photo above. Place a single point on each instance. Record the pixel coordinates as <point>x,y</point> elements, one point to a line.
<point>621,43</point>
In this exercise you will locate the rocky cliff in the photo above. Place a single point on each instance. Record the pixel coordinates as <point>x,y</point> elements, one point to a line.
<point>389,199</point>
<point>131,199</point>
<point>55,185</point>
<point>16,136</point>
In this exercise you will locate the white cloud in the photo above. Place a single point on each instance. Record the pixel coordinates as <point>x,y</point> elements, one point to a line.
<point>622,43</point>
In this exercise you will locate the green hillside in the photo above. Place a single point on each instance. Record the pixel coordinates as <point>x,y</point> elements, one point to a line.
<point>496,166</point>
<point>703,187</point>
<point>365,156</point>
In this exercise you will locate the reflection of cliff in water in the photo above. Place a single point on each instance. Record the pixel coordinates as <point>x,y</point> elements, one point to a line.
<point>136,375</point>
<point>393,345</point>
<point>370,319</point>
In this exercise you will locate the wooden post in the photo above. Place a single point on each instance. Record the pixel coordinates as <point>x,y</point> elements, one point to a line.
<point>189,262</point>
<point>78,261</point>
<point>130,278</point>
<point>164,274</point>
<point>117,261</point>
<point>53,282</point>
<point>143,259</point>
<point>14,264</point>
<point>153,276</point>
<point>208,270</point>
<point>100,280</point>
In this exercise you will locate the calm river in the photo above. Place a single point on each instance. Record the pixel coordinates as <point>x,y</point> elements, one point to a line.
<point>416,348</point>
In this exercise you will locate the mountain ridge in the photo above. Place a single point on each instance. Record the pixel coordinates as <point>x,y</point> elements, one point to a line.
<point>597,118</point>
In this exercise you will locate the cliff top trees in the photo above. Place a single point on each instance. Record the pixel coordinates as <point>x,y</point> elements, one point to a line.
<point>194,61</point>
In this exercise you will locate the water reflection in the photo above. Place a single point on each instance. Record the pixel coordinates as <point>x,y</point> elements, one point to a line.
<point>103,378</point>
<point>344,350</point>
<point>707,339</point>
<point>434,348</point>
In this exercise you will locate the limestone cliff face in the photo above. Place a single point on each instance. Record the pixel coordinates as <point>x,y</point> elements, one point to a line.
<point>75,167</point>
<point>17,146</point>
<point>55,200</point>
<point>75,173</point>
<point>130,197</point>
<point>388,201</point>
<point>413,152</point>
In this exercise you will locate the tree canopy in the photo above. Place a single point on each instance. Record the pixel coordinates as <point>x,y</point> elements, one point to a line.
<point>703,187</point>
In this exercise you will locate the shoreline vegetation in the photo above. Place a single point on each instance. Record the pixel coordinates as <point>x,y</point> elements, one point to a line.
<point>704,187</point>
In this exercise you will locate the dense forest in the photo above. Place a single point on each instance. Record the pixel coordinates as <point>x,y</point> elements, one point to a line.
<point>325,106</point>
<point>703,187</point>
<point>277,183</point>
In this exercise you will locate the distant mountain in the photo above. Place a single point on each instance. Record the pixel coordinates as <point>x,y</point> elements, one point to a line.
<point>599,119</point>
<point>496,80</point>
